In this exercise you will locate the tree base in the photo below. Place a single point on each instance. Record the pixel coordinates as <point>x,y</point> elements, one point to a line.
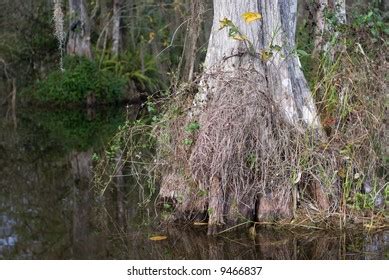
<point>243,159</point>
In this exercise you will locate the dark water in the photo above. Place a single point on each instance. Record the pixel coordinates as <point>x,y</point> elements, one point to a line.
<point>49,210</point>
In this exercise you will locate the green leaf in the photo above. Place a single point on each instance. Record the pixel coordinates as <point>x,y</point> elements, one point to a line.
<point>192,127</point>
<point>233,31</point>
<point>302,53</point>
<point>277,48</point>
<point>187,142</point>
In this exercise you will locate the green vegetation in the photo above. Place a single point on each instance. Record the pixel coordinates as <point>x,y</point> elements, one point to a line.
<point>82,79</point>
<point>130,67</point>
<point>351,102</point>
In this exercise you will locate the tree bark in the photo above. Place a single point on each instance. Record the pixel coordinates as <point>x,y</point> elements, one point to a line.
<point>191,41</point>
<point>116,32</point>
<point>79,30</point>
<point>249,109</point>
<point>338,8</point>
<point>320,28</point>
<point>285,79</point>
<point>340,11</point>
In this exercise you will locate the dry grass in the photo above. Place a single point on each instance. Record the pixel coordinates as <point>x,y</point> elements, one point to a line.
<point>246,162</point>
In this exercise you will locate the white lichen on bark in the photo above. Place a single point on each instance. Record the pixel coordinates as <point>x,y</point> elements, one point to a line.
<point>116,32</point>
<point>59,32</point>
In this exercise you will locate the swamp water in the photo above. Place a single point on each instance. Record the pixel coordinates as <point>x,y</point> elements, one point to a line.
<point>49,209</point>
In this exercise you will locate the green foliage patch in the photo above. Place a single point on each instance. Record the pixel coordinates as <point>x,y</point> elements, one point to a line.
<point>81,78</point>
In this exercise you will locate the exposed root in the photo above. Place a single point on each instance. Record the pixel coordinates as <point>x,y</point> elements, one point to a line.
<point>245,158</point>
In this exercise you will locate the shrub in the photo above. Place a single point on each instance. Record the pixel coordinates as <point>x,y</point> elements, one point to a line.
<point>81,78</point>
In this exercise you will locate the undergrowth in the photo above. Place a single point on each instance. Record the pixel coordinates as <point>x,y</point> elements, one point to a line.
<point>131,153</point>
<point>350,90</point>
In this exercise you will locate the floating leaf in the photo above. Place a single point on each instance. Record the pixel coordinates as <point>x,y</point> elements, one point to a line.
<point>200,224</point>
<point>158,238</point>
<point>224,23</point>
<point>251,16</point>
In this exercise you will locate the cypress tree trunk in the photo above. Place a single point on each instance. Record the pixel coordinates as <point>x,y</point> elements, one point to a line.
<point>79,33</point>
<point>285,79</point>
<point>338,8</point>
<point>252,104</point>
<point>191,41</point>
<point>116,33</point>
<point>320,28</point>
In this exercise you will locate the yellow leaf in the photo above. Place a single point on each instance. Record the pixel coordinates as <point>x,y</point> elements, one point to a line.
<point>239,37</point>
<point>224,23</point>
<point>158,238</point>
<point>200,224</point>
<point>251,16</point>
<point>342,173</point>
<point>151,37</point>
<point>266,55</point>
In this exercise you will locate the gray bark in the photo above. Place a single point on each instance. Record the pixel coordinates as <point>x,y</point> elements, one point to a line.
<point>385,5</point>
<point>320,27</point>
<point>191,41</point>
<point>79,29</point>
<point>338,8</point>
<point>282,80</point>
<point>285,80</point>
<point>340,11</point>
<point>116,33</point>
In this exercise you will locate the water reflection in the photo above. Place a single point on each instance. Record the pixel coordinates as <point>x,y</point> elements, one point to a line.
<point>48,209</point>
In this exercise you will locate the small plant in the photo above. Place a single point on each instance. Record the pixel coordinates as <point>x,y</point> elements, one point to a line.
<point>188,142</point>
<point>192,127</point>
<point>251,161</point>
<point>131,65</point>
<point>374,22</point>
<point>364,201</point>
<point>236,34</point>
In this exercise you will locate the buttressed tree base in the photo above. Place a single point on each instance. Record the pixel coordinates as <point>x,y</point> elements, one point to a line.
<point>255,119</point>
